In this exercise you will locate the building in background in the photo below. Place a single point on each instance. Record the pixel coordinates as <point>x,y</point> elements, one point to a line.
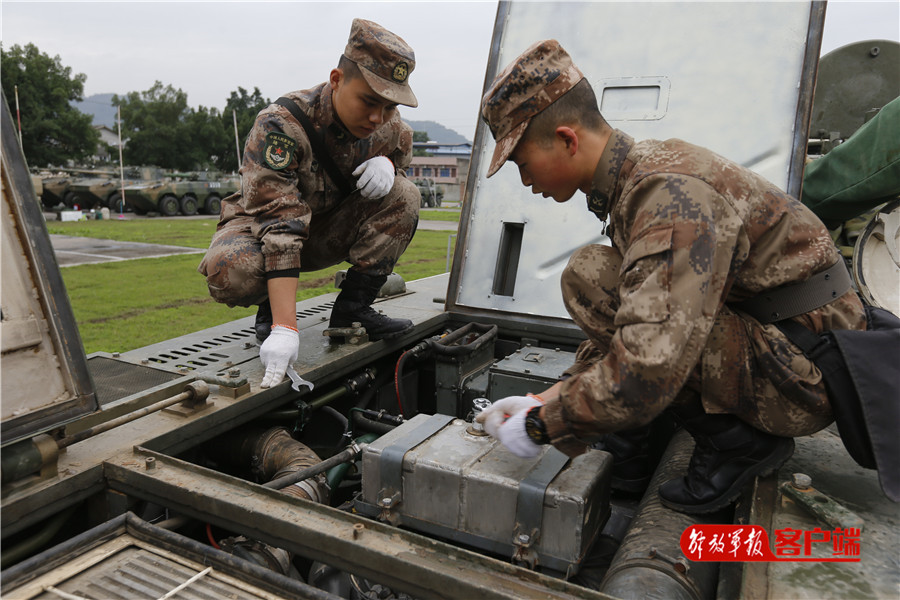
<point>446,164</point>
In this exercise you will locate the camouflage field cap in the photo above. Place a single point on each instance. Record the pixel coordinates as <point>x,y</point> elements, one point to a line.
<point>527,86</point>
<point>384,60</point>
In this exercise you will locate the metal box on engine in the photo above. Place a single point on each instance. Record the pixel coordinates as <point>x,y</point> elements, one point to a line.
<point>438,475</point>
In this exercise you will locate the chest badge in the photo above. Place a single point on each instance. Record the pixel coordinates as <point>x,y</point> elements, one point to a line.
<point>279,150</point>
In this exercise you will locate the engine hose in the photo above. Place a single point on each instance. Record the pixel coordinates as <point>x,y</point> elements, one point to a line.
<point>649,563</point>
<point>336,474</point>
<point>349,454</point>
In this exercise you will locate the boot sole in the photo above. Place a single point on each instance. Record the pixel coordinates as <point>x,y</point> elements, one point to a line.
<point>390,336</point>
<point>766,467</point>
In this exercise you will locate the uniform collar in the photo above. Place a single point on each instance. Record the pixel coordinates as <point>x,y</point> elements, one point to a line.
<point>329,119</point>
<point>606,176</point>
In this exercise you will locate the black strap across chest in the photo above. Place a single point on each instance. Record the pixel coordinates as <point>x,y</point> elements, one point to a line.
<point>318,146</point>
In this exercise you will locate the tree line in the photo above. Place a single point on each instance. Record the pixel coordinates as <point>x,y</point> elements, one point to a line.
<point>159,126</point>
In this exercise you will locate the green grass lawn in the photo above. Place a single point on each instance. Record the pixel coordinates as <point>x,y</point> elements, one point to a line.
<point>120,306</point>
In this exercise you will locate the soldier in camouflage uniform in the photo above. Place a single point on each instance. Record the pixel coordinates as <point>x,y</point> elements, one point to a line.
<point>693,235</point>
<point>290,216</point>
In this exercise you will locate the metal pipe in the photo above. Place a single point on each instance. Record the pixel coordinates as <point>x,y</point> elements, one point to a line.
<point>197,391</point>
<point>649,563</point>
<point>349,453</point>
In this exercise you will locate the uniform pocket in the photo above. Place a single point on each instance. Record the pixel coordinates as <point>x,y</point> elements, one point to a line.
<point>645,279</point>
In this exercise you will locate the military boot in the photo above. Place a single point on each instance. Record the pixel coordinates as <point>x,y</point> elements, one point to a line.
<point>354,305</point>
<point>728,454</point>
<point>632,464</point>
<point>263,324</point>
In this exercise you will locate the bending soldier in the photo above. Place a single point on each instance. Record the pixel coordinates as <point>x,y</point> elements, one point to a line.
<point>667,308</point>
<point>296,210</point>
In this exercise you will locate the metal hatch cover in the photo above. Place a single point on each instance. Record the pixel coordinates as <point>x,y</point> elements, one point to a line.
<point>742,87</point>
<point>40,340</point>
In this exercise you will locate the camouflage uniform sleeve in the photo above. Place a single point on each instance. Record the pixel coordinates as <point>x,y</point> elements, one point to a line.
<point>271,188</point>
<point>585,357</point>
<point>679,237</point>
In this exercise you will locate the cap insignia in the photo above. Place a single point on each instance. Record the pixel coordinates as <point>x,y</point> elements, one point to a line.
<point>401,72</point>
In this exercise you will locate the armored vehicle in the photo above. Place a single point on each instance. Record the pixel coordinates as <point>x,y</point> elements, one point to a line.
<point>186,194</point>
<point>168,471</point>
<point>432,194</point>
<point>54,189</point>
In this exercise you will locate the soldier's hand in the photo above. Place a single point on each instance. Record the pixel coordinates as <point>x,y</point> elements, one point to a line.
<point>376,177</point>
<point>277,353</point>
<point>505,420</point>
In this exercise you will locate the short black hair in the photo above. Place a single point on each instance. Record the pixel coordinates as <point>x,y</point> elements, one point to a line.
<point>349,68</point>
<point>578,106</point>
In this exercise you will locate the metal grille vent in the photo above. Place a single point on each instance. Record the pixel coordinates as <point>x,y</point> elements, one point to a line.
<point>138,573</point>
<point>191,356</point>
<point>116,379</point>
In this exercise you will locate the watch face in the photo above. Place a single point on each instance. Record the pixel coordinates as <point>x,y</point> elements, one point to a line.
<point>534,428</point>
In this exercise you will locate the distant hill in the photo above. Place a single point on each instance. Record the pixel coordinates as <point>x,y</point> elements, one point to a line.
<point>100,107</point>
<point>104,113</point>
<point>437,132</point>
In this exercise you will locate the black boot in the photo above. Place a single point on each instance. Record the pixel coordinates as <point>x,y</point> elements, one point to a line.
<point>632,463</point>
<point>263,325</point>
<point>728,454</point>
<point>354,305</point>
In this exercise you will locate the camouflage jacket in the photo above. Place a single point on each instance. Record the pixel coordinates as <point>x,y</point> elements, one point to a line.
<point>695,231</point>
<point>283,184</point>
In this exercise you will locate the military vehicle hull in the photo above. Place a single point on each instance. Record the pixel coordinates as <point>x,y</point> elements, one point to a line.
<point>170,198</point>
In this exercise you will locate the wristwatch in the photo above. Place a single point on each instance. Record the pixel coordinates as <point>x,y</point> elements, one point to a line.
<point>535,428</point>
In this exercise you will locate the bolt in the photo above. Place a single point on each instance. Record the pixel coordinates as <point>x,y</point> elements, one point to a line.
<point>801,481</point>
<point>524,539</point>
<point>248,345</point>
<point>115,355</point>
<point>150,463</point>
<point>387,502</point>
<point>235,372</point>
<point>144,361</point>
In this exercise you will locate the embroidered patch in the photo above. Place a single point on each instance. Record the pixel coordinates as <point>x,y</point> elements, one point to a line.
<point>279,150</point>
<point>401,72</point>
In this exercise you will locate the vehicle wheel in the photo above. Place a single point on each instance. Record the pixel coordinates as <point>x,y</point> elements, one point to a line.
<point>70,199</point>
<point>437,201</point>
<point>115,203</point>
<point>168,205</point>
<point>213,205</point>
<point>188,205</point>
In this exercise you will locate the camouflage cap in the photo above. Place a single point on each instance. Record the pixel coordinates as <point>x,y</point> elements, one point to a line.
<point>531,83</point>
<point>384,60</point>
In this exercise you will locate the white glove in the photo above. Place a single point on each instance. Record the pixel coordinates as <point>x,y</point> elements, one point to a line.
<point>277,353</point>
<point>376,177</point>
<point>505,420</point>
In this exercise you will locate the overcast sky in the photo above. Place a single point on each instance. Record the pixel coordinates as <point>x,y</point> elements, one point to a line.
<point>208,49</point>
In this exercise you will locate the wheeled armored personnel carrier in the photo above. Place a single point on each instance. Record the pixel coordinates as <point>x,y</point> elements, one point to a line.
<point>168,471</point>
<point>185,194</point>
<point>432,194</point>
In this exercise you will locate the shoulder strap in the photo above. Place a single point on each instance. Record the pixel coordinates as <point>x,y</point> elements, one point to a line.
<point>318,145</point>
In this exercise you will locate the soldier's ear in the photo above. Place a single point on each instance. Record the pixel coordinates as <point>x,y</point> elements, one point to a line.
<point>336,78</point>
<point>569,137</point>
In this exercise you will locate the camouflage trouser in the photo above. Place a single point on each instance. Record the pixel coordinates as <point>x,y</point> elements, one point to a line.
<point>746,369</point>
<point>369,234</point>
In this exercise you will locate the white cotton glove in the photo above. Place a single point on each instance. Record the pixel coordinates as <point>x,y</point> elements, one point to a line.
<point>277,353</point>
<point>376,177</point>
<point>505,420</point>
